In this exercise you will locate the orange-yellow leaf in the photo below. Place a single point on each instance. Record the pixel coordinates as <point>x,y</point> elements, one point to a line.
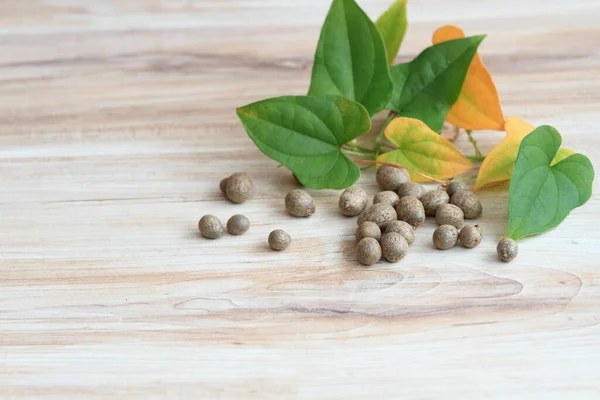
<point>499,164</point>
<point>478,105</point>
<point>426,154</point>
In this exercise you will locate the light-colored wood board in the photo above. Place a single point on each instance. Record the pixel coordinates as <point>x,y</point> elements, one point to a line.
<point>117,122</point>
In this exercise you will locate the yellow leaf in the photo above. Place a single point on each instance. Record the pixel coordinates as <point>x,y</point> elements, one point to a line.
<point>478,105</point>
<point>424,153</point>
<point>499,164</point>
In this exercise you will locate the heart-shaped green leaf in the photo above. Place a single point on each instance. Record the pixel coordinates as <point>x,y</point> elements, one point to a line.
<point>305,134</point>
<point>541,195</point>
<point>428,86</point>
<point>392,25</point>
<point>351,60</point>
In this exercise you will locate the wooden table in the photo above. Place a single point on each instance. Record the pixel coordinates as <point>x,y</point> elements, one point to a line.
<point>117,121</point>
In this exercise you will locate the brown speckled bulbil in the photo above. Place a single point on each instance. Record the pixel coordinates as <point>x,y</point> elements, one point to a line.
<point>432,200</point>
<point>470,236</point>
<point>455,186</point>
<point>223,186</point>
<point>238,224</point>
<point>380,214</point>
<point>445,237</point>
<point>386,197</point>
<point>390,178</point>
<point>299,203</point>
<point>368,229</point>
<point>411,189</point>
<point>353,201</point>
<point>449,214</point>
<point>410,209</point>
<point>393,246</point>
<point>468,202</point>
<point>403,228</point>
<point>239,187</point>
<point>507,249</point>
<point>368,251</point>
<point>210,227</point>
<point>279,240</point>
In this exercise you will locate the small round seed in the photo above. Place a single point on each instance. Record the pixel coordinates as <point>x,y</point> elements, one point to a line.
<point>390,178</point>
<point>410,209</point>
<point>432,200</point>
<point>386,197</point>
<point>468,202</point>
<point>239,187</point>
<point>470,236</point>
<point>368,229</point>
<point>393,246</point>
<point>445,237</point>
<point>455,186</point>
<point>368,251</point>
<point>353,201</point>
<point>403,228</point>
<point>449,214</point>
<point>279,240</point>
<point>223,186</point>
<point>411,189</point>
<point>210,227</point>
<point>380,214</point>
<point>507,249</point>
<point>299,203</point>
<point>238,224</point>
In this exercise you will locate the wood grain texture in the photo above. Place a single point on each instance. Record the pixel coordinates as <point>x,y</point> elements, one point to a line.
<point>117,121</point>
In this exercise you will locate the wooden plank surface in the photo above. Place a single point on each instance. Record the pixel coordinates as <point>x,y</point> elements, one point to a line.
<point>117,121</point>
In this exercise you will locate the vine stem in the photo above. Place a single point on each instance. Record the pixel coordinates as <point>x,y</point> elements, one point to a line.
<point>391,164</point>
<point>475,158</point>
<point>478,156</point>
<point>379,138</point>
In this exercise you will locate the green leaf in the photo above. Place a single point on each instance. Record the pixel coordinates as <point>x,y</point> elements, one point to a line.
<point>540,195</point>
<point>428,86</point>
<point>392,25</point>
<point>305,134</point>
<point>350,60</point>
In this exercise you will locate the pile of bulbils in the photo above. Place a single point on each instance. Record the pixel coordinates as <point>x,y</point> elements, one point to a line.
<point>386,229</point>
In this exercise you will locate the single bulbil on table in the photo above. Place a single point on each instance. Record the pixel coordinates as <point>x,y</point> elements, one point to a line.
<point>470,236</point>
<point>279,240</point>
<point>393,246</point>
<point>455,186</point>
<point>468,202</point>
<point>403,228</point>
<point>432,200</point>
<point>411,189</point>
<point>507,249</point>
<point>449,214</point>
<point>353,201</point>
<point>411,210</point>
<point>386,197</point>
<point>239,187</point>
<point>238,224</point>
<point>299,203</point>
<point>390,178</point>
<point>210,227</point>
<point>380,214</point>
<point>368,229</point>
<point>445,237</point>
<point>368,251</point>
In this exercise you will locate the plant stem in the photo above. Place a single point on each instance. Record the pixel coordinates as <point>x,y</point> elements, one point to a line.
<point>475,158</point>
<point>475,146</point>
<point>379,137</point>
<point>358,149</point>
